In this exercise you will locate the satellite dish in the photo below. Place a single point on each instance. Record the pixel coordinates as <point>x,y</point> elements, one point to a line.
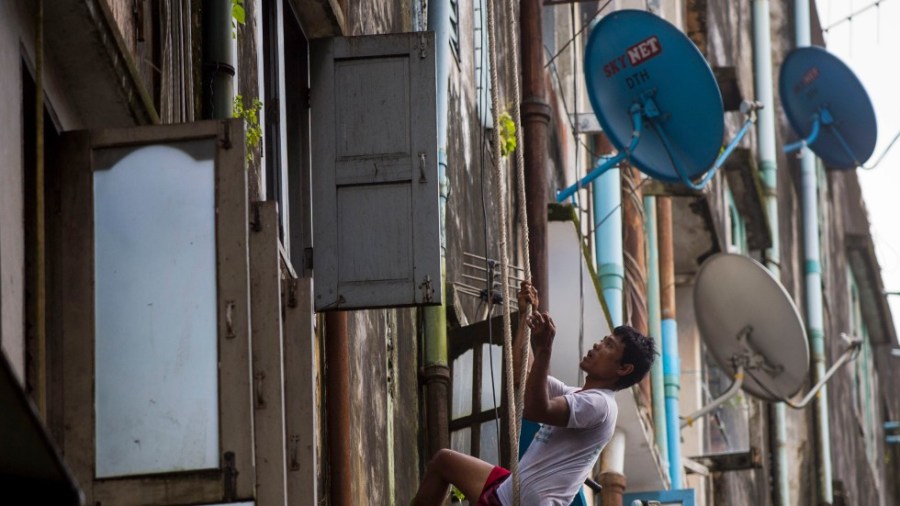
<point>656,99</point>
<point>828,107</point>
<point>746,316</point>
<point>633,56</point>
<point>751,326</point>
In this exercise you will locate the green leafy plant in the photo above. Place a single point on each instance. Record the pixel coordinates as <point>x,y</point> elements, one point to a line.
<point>238,16</point>
<point>250,114</point>
<point>508,141</point>
<point>456,495</point>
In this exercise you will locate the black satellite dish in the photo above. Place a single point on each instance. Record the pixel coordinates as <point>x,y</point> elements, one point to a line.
<point>656,99</point>
<point>828,107</point>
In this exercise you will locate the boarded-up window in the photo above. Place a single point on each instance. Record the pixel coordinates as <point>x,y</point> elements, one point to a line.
<point>375,179</point>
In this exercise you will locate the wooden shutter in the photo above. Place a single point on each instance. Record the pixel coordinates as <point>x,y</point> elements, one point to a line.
<point>375,172</point>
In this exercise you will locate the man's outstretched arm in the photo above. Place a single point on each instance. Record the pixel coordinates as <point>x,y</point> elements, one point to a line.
<point>539,406</point>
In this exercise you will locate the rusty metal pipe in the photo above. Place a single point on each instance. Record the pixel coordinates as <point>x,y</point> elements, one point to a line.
<point>536,135</point>
<point>337,405</point>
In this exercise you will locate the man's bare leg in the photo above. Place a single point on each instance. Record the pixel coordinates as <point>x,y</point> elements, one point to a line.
<point>447,466</point>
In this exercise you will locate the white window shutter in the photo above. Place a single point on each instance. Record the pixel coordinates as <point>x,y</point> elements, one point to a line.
<point>375,176</point>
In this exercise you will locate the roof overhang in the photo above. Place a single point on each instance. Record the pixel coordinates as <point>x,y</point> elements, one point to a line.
<point>102,81</point>
<point>320,18</point>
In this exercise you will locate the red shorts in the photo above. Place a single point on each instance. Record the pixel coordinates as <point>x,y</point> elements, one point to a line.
<point>489,492</point>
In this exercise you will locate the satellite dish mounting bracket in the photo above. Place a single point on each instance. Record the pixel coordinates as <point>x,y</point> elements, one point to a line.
<point>748,360</point>
<point>608,163</point>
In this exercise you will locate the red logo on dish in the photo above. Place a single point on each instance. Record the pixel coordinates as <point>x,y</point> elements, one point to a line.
<point>643,51</point>
<point>811,75</point>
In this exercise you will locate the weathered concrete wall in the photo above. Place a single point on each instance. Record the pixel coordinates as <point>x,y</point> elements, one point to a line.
<point>12,237</point>
<point>384,400</point>
<point>863,482</point>
<point>384,393</point>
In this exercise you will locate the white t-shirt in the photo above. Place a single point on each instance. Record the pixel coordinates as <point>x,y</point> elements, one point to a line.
<point>559,459</point>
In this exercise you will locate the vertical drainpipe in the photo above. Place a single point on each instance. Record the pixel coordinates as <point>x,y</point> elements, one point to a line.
<point>608,240</point>
<point>437,370</point>
<point>657,389</point>
<point>536,125</point>
<point>767,155</point>
<point>813,278</point>
<point>671,362</point>
<point>607,191</point>
<point>337,406</point>
<point>218,59</point>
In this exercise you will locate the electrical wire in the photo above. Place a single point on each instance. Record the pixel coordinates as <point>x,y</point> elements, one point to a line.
<point>583,28</point>
<point>483,101</point>
<point>577,136</point>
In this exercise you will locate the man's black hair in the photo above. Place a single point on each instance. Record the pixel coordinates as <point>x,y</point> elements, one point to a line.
<point>639,351</point>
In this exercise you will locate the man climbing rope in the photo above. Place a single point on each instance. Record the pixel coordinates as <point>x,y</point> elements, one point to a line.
<point>577,423</point>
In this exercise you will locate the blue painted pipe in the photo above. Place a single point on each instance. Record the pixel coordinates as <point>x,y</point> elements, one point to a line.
<point>813,135</point>
<point>767,154</point>
<point>672,372</point>
<point>657,378</point>
<point>813,277</point>
<point>608,239</point>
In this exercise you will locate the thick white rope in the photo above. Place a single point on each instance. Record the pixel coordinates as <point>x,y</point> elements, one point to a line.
<point>513,37</point>
<point>504,261</point>
<point>515,396</point>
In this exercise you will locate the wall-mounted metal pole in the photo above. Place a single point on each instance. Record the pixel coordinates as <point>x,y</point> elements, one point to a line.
<point>337,406</point>
<point>767,155</point>
<point>657,390</point>
<point>536,125</point>
<point>813,284</point>
<point>671,361</point>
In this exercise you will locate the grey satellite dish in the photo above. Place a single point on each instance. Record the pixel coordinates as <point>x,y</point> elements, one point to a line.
<point>750,325</point>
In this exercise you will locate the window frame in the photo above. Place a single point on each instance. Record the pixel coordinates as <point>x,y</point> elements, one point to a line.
<point>863,406</point>
<point>473,338</point>
<point>234,479</point>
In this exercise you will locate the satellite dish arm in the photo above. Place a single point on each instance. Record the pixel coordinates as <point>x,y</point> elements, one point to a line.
<point>849,354</point>
<point>731,392</point>
<point>813,135</point>
<point>637,121</point>
<point>749,109</point>
<point>880,158</point>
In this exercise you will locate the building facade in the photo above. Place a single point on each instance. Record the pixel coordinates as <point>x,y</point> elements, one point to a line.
<point>219,328</point>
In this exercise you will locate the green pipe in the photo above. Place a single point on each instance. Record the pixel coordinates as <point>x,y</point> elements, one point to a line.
<point>657,379</point>
<point>437,370</point>
<point>218,59</point>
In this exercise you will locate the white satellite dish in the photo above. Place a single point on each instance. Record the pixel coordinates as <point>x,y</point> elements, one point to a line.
<point>750,325</point>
